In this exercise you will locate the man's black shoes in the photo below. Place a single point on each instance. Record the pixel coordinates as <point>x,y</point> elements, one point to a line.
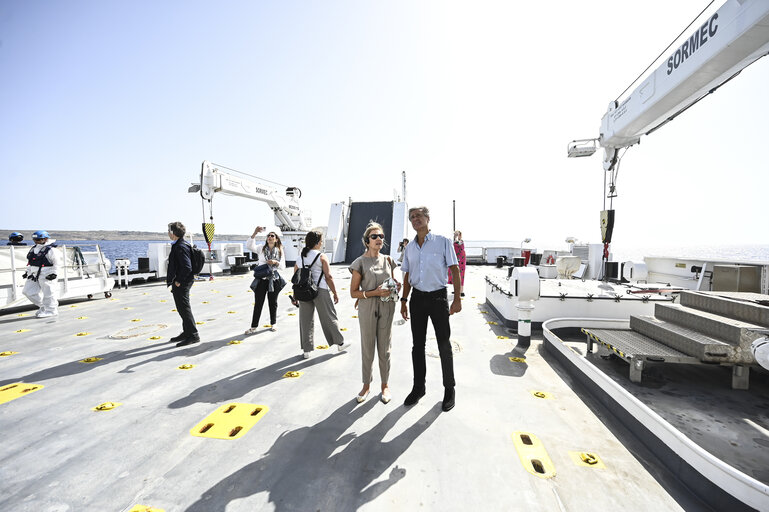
<point>448,400</point>
<point>179,337</point>
<point>414,397</point>
<point>194,338</point>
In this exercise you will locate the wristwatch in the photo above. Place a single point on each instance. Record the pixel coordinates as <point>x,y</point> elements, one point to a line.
<point>404,299</point>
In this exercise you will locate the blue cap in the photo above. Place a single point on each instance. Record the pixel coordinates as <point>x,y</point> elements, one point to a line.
<point>40,234</point>
<point>16,236</point>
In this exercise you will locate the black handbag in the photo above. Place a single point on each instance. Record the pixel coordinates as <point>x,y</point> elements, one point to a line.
<point>262,271</point>
<point>278,283</point>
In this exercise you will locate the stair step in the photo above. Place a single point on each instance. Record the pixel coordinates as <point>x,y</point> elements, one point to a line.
<point>688,341</point>
<point>727,304</point>
<point>737,333</point>
<point>629,344</point>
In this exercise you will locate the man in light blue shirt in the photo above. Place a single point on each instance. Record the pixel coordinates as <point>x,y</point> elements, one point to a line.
<point>425,263</point>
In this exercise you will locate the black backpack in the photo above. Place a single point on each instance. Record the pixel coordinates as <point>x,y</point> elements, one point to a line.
<point>305,289</point>
<point>198,258</point>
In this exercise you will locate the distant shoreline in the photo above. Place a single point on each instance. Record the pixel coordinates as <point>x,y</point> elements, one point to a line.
<point>116,235</point>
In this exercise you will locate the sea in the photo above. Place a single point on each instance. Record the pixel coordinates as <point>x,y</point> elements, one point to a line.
<point>135,249</point>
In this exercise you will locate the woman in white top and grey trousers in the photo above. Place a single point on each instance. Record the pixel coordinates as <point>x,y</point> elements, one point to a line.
<point>323,302</point>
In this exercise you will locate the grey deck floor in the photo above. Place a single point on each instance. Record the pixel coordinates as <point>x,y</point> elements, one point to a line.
<point>316,449</point>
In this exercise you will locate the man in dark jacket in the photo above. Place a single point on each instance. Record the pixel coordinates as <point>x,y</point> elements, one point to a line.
<point>180,279</point>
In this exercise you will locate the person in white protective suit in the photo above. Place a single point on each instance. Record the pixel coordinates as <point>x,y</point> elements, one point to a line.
<point>43,262</point>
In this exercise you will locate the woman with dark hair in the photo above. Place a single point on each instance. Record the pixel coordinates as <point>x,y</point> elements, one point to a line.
<point>459,249</point>
<point>321,275</point>
<point>270,253</point>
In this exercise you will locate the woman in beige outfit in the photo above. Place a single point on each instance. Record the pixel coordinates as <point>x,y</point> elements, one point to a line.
<point>374,285</point>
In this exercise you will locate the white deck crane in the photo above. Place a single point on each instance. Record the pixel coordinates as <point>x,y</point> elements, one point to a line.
<point>721,46</point>
<point>293,221</point>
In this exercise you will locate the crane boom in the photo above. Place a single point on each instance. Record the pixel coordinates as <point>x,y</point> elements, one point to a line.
<point>731,39</point>
<point>289,216</point>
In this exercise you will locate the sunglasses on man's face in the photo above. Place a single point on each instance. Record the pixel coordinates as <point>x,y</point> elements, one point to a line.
<point>377,235</point>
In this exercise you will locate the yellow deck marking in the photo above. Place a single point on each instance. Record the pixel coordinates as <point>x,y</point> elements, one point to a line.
<point>292,314</point>
<point>343,328</point>
<point>6,354</point>
<point>197,323</point>
<point>107,406</point>
<point>23,314</point>
<point>587,459</point>
<point>322,347</point>
<point>127,307</point>
<point>173,311</point>
<point>503,338</point>
<point>235,342</point>
<point>484,312</point>
<point>156,337</point>
<point>355,316</point>
<point>186,367</point>
<point>163,300</point>
<point>136,320</point>
<point>145,508</point>
<point>533,455</point>
<point>90,359</point>
<point>82,334</point>
<point>230,421</point>
<point>17,390</point>
<point>541,394</point>
<point>293,375</point>
<point>231,312</point>
<point>22,330</point>
<point>517,359</point>
<point>205,302</point>
<point>267,326</point>
<point>73,306</point>
<point>82,318</point>
<point>492,323</point>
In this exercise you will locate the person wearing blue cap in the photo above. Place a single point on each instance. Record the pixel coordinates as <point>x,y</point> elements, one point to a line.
<point>16,238</point>
<point>43,262</point>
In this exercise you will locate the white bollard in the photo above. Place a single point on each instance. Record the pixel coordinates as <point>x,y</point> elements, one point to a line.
<point>760,349</point>
<point>524,285</point>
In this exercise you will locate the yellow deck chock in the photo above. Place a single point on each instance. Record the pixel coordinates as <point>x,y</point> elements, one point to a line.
<point>163,300</point>
<point>267,326</point>
<point>355,316</point>
<point>156,337</point>
<point>197,323</point>
<point>91,360</point>
<point>186,367</point>
<point>541,394</point>
<point>292,314</point>
<point>23,314</point>
<point>22,330</point>
<point>145,508</point>
<point>484,312</point>
<point>136,319</point>
<point>230,296</point>
<point>127,307</point>
<point>343,328</point>
<point>533,455</point>
<point>235,342</point>
<point>517,359</point>
<point>6,354</point>
<point>82,318</point>
<point>83,334</point>
<point>231,312</point>
<point>587,459</point>
<point>492,323</point>
<point>293,375</point>
<point>321,347</point>
<point>107,406</point>
<point>230,421</point>
<point>503,337</point>
<point>17,390</point>
<point>205,302</point>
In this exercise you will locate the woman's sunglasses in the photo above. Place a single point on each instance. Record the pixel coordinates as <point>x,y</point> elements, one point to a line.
<point>272,235</point>
<point>377,235</point>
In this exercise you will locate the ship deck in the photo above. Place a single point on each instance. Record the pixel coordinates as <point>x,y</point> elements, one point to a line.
<point>314,448</point>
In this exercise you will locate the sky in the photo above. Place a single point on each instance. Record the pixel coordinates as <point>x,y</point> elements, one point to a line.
<point>107,110</point>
